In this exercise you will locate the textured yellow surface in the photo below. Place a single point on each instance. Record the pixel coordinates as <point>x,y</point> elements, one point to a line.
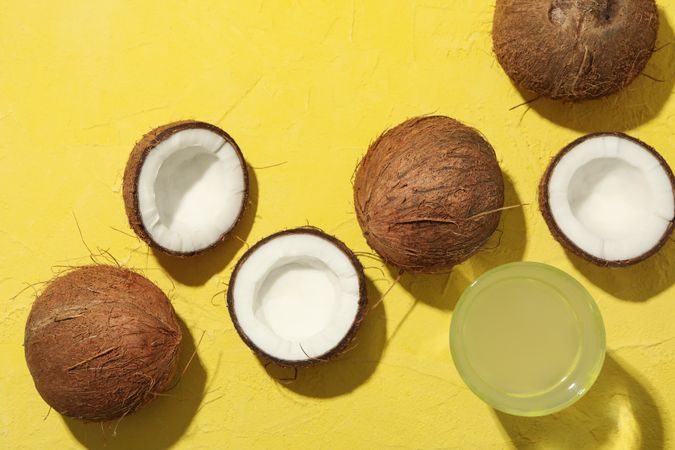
<point>308,84</point>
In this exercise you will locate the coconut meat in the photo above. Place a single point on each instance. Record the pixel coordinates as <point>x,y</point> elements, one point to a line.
<point>191,190</point>
<point>611,197</point>
<point>296,296</point>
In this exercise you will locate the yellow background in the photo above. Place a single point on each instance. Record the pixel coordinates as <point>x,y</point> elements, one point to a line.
<point>309,84</point>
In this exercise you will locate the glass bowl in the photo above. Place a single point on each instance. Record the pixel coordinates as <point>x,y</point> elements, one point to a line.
<point>527,338</point>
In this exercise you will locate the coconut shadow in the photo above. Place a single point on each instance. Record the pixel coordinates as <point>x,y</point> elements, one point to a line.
<point>161,423</point>
<point>506,245</point>
<point>197,270</point>
<point>347,371</point>
<point>596,418</point>
<point>637,104</point>
<point>637,283</point>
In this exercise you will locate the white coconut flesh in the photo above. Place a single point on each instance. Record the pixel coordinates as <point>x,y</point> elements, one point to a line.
<point>191,190</point>
<point>296,296</point>
<point>611,197</point>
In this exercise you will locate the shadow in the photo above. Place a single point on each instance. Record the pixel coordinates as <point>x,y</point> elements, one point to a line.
<point>637,104</point>
<point>637,283</point>
<point>159,424</point>
<point>617,409</point>
<point>349,370</point>
<point>197,270</point>
<point>506,245</point>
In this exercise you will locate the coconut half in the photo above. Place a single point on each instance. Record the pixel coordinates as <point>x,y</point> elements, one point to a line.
<point>609,198</point>
<point>185,187</point>
<point>297,297</point>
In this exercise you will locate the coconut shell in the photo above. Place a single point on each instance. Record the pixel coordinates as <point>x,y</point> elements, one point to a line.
<point>568,244</point>
<point>574,49</point>
<point>340,346</point>
<point>101,342</point>
<point>133,171</point>
<point>428,194</point>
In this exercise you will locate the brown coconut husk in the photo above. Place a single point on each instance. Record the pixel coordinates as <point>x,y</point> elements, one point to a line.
<point>133,170</point>
<point>341,346</point>
<point>428,194</point>
<point>101,342</point>
<point>574,49</point>
<point>567,243</point>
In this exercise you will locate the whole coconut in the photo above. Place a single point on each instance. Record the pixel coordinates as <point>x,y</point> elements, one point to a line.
<point>428,194</point>
<point>574,49</point>
<point>100,342</point>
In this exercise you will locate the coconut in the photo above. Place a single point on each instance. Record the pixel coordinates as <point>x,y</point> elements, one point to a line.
<point>428,194</point>
<point>609,198</point>
<point>574,49</point>
<point>185,187</point>
<point>297,297</point>
<point>101,342</point>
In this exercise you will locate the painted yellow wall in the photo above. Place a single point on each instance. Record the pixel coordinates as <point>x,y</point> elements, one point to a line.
<point>309,84</point>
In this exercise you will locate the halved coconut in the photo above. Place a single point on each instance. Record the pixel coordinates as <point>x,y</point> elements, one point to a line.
<point>185,187</point>
<point>609,198</point>
<point>297,297</point>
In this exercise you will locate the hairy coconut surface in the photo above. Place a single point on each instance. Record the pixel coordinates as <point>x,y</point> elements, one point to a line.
<point>609,198</point>
<point>574,49</point>
<point>188,208</point>
<point>428,194</point>
<point>298,297</point>
<point>100,342</point>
